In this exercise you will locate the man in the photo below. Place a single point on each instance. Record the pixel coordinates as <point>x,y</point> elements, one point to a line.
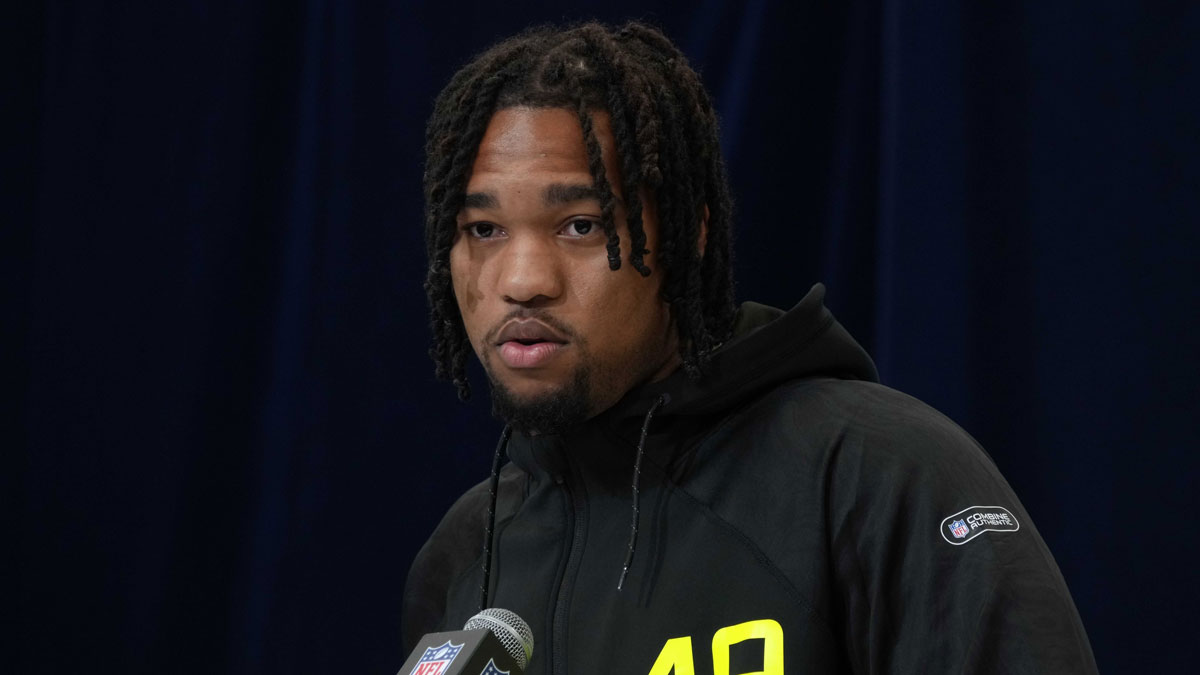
<point>694,487</point>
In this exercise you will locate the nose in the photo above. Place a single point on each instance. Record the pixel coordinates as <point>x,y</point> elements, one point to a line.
<point>530,271</point>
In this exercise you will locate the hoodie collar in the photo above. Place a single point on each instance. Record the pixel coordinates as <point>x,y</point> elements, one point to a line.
<point>768,347</point>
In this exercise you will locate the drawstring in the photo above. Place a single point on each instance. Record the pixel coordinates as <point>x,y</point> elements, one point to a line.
<point>491,521</point>
<point>637,480</point>
<point>489,533</point>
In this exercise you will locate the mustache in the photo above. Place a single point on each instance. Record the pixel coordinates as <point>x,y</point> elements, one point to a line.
<point>535,314</point>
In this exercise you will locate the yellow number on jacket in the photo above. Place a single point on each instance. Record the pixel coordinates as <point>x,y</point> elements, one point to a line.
<point>769,631</point>
<point>677,654</point>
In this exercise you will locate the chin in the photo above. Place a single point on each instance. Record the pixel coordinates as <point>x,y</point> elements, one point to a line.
<point>528,389</point>
<point>543,407</point>
<point>531,384</point>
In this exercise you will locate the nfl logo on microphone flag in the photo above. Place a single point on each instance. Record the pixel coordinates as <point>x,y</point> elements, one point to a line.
<point>460,652</point>
<point>436,660</point>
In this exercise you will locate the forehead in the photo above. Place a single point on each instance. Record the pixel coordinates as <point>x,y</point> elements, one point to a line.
<point>524,140</point>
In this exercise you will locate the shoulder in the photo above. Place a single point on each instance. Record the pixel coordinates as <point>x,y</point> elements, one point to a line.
<point>934,565</point>
<point>454,548</point>
<point>866,464</point>
<point>863,428</point>
<point>846,462</point>
<point>843,428</point>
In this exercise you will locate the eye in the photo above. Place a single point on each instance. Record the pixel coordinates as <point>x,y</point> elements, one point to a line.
<point>480,230</point>
<point>580,227</point>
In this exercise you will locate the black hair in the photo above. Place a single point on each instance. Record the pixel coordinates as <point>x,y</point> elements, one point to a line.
<point>665,131</point>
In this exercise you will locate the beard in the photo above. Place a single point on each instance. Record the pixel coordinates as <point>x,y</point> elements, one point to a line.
<point>548,413</point>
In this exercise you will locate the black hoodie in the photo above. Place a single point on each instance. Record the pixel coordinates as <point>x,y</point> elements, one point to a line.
<point>796,517</point>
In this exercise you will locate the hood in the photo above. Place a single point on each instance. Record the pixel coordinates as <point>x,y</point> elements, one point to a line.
<point>768,347</point>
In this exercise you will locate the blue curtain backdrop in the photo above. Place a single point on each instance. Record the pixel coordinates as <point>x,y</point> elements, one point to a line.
<point>225,443</point>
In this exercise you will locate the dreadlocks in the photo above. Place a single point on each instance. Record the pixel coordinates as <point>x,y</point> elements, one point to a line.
<point>666,135</point>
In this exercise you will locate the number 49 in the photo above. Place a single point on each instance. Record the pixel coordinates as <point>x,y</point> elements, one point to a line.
<point>676,654</point>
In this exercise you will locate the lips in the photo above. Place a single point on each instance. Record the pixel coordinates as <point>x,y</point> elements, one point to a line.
<point>529,343</point>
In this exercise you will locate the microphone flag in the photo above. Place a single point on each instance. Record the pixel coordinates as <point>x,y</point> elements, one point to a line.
<point>460,652</point>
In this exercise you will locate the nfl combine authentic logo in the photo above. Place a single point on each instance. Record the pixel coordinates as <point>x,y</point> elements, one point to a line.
<point>436,660</point>
<point>970,523</point>
<point>492,669</point>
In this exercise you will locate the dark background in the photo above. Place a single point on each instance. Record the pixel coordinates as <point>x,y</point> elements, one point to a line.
<point>224,442</point>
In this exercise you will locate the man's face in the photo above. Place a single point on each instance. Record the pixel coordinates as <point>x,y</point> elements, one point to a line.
<point>554,326</point>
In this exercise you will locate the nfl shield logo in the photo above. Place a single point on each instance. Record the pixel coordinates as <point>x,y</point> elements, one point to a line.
<point>492,669</point>
<point>959,529</point>
<point>436,660</point>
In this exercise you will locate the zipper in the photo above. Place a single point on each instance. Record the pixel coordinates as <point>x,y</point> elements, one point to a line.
<point>561,605</point>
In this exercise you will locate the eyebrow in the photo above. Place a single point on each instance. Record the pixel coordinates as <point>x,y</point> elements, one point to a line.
<point>555,194</point>
<point>561,193</point>
<point>480,200</point>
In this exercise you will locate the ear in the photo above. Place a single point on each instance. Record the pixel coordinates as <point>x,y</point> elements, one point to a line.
<point>702,238</point>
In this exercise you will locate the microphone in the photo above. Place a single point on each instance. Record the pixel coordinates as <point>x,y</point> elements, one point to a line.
<point>493,642</point>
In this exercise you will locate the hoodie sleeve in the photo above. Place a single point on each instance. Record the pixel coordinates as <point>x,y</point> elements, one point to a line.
<point>941,569</point>
<point>452,549</point>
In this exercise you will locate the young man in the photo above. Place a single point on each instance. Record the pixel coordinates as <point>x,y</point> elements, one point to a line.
<point>694,487</point>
